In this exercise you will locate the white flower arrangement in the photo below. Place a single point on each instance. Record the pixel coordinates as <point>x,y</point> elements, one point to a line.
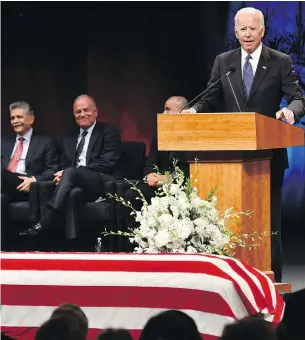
<point>178,221</point>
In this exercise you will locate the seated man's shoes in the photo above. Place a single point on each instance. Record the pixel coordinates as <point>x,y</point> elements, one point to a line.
<point>34,231</point>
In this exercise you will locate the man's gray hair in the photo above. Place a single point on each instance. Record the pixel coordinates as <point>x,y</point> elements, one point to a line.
<point>251,10</point>
<point>22,105</point>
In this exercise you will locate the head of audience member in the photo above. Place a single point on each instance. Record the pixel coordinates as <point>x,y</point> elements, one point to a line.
<point>250,328</point>
<point>74,312</point>
<point>249,28</point>
<point>85,111</point>
<point>114,334</point>
<point>170,325</point>
<point>22,117</point>
<point>175,104</point>
<point>60,328</point>
<point>294,315</point>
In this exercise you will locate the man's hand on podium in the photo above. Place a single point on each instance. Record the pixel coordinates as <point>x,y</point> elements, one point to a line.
<point>285,114</point>
<point>190,110</point>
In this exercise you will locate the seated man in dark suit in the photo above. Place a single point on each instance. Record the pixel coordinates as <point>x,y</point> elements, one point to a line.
<point>26,157</point>
<point>163,160</point>
<point>88,160</point>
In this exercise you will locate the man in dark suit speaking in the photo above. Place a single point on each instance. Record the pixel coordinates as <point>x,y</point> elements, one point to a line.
<point>27,156</point>
<point>260,77</point>
<point>88,160</point>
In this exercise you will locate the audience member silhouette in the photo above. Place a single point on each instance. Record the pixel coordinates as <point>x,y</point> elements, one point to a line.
<point>250,328</point>
<point>294,315</point>
<point>170,325</point>
<point>114,334</point>
<point>75,312</point>
<point>60,328</point>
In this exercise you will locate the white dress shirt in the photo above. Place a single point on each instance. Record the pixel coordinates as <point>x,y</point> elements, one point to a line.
<point>82,157</point>
<point>26,143</point>
<point>253,61</point>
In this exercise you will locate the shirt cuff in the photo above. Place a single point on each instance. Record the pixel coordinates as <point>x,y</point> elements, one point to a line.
<point>193,110</point>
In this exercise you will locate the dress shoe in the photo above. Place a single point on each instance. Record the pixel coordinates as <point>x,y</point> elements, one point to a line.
<point>34,231</point>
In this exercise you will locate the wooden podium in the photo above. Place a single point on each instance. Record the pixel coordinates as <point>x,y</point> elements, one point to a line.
<point>233,152</point>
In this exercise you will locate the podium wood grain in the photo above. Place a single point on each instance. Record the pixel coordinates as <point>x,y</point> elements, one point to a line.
<point>225,131</point>
<point>234,152</point>
<point>243,186</point>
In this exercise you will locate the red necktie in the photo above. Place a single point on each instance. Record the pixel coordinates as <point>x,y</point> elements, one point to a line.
<point>16,156</point>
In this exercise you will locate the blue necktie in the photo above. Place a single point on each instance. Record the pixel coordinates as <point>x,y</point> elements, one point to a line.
<point>247,76</point>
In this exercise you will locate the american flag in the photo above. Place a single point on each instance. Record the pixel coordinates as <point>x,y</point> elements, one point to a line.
<point>125,290</point>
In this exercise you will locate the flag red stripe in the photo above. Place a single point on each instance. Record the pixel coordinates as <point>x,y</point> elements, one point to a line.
<point>28,333</point>
<point>280,305</point>
<point>266,289</point>
<point>112,296</point>
<point>130,266</point>
<point>109,265</point>
<point>260,299</point>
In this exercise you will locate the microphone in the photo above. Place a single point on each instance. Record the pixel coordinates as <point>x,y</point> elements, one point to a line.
<point>231,69</point>
<point>232,89</point>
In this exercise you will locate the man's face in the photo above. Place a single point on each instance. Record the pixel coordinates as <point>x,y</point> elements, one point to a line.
<point>21,121</point>
<point>249,31</point>
<point>171,106</point>
<point>85,112</point>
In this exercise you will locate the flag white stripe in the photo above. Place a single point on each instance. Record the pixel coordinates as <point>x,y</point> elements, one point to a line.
<point>101,318</point>
<point>112,257</point>
<point>219,262</point>
<point>202,282</point>
<point>257,282</point>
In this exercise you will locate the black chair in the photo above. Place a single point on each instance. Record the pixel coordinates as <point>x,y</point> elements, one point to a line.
<point>102,214</point>
<point>132,165</point>
<point>18,216</point>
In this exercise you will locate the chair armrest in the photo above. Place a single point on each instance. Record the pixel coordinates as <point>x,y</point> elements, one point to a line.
<point>122,186</point>
<point>110,187</point>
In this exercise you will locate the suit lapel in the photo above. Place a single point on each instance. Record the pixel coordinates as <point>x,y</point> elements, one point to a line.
<point>236,77</point>
<point>262,70</point>
<point>94,136</point>
<point>32,148</point>
<point>72,144</point>
<point>9,146</point>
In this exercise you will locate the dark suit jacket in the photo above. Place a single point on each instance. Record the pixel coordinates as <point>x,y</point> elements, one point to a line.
<point>42,159</point>
<point>103,154</point>
<point>273,79</point>
<point>164,160</point>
